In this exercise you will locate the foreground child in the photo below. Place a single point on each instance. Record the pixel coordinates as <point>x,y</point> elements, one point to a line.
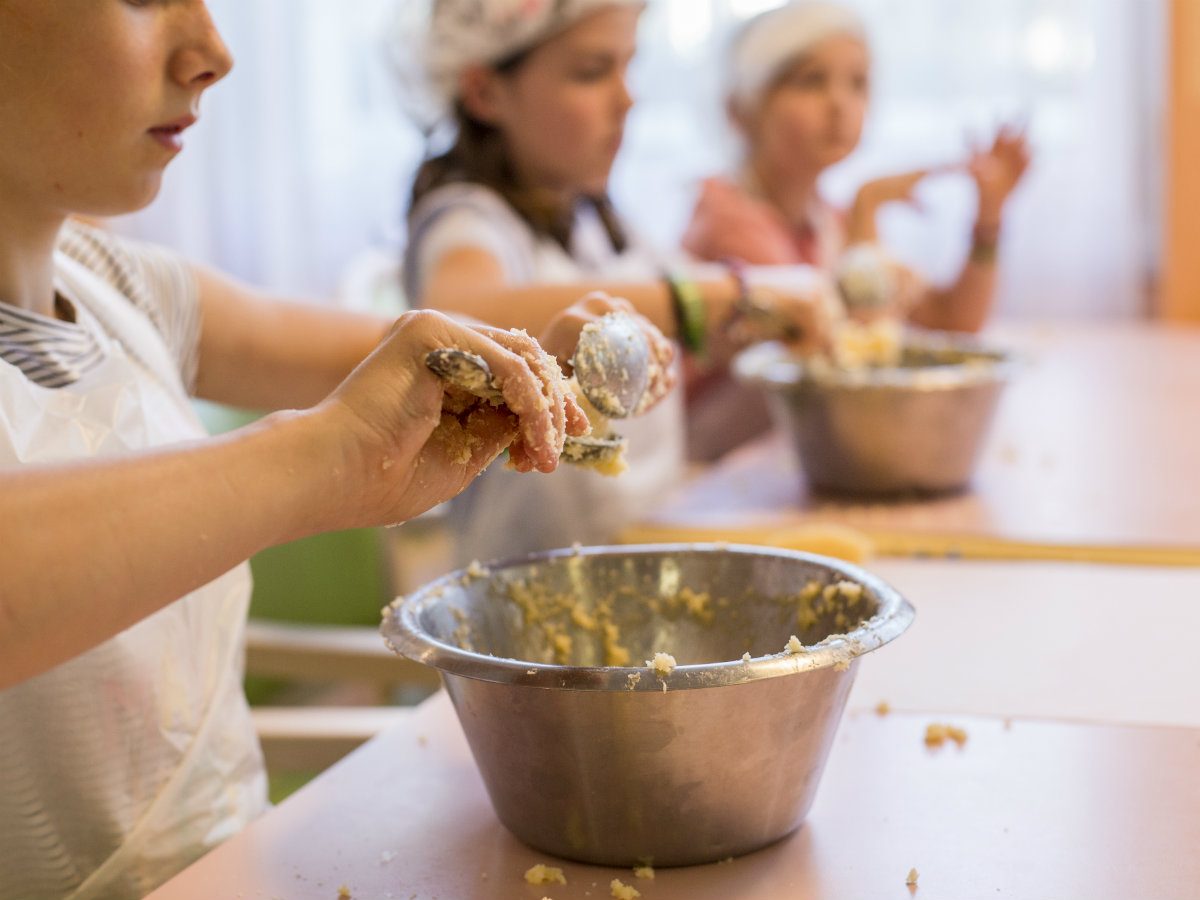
<point>127,748</point>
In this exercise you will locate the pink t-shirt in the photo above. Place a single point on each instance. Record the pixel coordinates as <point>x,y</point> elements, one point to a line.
<point>729,221</point>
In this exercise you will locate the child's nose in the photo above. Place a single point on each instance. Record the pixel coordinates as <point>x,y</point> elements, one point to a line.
<point>624,98</point>
<point>201,59</point>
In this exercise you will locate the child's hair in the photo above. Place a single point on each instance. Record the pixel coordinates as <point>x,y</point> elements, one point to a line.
<point>479,155</point>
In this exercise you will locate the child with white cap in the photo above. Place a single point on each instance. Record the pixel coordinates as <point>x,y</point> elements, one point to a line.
<point>797,90</point>
<point>797,87</point>
<point>511,222</point>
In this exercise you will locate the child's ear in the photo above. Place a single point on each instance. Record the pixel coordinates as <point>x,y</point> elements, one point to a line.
<point>480,94</point>
<point>736,114</point>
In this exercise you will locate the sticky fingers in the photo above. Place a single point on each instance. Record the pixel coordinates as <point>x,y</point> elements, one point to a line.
<point>535,390</point>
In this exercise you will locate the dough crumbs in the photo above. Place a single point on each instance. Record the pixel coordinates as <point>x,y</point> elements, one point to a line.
<point>794,645</point>
<point>911,880</point>
<point>746,657</point>
<point>543,874</point>
<point>882,708</point>
<point>937,734</point>
<point>475,570</point>
<point>643,872</point>
<point>841,665</point>
<point>622,891</point>
<point>343,893</point>
<point>662,665</point>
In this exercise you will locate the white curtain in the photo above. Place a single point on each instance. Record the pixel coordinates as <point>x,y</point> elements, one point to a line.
<point>303,158</point>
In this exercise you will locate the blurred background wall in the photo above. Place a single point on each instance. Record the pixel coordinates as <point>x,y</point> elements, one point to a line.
<point>303,155</point>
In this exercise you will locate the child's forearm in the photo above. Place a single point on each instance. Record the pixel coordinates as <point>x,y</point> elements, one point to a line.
<point>88,549</point>
<point>966,304</point>
<point>533,306</point>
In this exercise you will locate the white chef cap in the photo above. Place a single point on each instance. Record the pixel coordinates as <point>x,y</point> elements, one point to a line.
<point>768,43</point>
<point>440,39</point>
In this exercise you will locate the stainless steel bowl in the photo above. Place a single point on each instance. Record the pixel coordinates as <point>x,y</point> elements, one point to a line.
<point>612,764</point>
<point>914,428</point>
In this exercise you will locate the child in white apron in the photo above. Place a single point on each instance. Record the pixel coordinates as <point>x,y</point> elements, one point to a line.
<point>126,746</point>
<point>512,223</point>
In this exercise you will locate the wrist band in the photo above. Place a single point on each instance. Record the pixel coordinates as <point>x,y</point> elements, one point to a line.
<point>983,245</point>
<point>691,314</point>
<point>737,269</point>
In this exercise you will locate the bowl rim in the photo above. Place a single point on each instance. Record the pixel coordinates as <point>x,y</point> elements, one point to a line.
<point>403,633</point>
<point>771,364</point>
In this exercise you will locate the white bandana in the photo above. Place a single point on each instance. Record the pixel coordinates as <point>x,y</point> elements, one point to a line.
<point>769,42</point>
<point>439,39</point>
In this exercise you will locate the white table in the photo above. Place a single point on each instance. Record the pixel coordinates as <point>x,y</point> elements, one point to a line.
<point>1094,455</point>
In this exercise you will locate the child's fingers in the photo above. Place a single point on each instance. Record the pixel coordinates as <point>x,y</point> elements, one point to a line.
<point>532,386</point>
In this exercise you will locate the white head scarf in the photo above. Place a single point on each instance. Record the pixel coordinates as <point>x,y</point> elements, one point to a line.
<point>440,39</point>
<point>768,43</point>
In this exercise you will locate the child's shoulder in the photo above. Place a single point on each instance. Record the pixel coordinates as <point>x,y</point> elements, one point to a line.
<point>457,195</point>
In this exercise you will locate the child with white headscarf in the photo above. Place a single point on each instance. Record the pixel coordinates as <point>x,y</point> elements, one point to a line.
<point>511,222</point>
<point>797,87</point>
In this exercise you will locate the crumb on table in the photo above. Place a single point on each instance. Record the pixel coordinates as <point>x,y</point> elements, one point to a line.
<point>543,874</point>
<point>937,734</point>
<point>622,891</point>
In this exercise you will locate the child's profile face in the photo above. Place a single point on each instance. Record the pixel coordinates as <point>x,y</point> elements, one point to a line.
<point>562,111</point>
<point>812,116</point>
<point>94,98</point>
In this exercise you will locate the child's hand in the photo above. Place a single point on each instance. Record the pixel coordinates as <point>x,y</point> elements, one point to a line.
<point>562,334</point>
<point>798,309</point>
<point>411,443</point>
<point>996,171</point>
<point>892,188</point>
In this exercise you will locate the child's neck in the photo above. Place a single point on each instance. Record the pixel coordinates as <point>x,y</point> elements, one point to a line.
<point>27,266</point>
<point>793,196</point>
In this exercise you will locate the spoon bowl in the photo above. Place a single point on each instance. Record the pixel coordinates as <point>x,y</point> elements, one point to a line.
<point>612,365</point>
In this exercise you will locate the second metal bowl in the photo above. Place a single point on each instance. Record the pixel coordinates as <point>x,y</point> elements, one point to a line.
<point>914,428</point>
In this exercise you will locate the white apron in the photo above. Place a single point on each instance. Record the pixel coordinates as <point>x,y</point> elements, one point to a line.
<point>123,765</point>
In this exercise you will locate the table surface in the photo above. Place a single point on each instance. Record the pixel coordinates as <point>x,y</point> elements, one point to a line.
<point>1091,456</point>
<point>1101,800</point>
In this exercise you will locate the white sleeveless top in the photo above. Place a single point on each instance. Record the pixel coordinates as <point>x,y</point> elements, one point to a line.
<point>503,513</point>
<point>125,764</point>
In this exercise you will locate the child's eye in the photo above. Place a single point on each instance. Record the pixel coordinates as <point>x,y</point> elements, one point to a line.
<point>588,76</point>
<point>810,80</point>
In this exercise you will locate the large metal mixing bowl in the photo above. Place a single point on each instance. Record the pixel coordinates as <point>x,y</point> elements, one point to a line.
<point>612,764</point>
<point>914,428</point>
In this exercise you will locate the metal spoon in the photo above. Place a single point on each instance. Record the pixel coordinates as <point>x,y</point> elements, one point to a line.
<point>612,365</point>
<point>471,373</point>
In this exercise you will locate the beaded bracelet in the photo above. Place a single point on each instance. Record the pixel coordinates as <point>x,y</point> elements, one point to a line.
<point>691,314</point>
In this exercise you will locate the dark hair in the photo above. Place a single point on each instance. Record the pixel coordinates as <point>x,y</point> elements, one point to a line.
<point>479,155</point>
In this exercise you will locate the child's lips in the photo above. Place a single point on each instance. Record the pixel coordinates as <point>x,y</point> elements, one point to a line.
<point>170,134</point>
